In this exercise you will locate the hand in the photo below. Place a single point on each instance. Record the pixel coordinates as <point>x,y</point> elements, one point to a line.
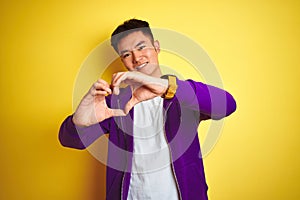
<point>93,108</point>
<point>143,87</point>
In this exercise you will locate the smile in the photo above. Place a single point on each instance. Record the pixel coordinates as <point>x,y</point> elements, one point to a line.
<point>141,66</point>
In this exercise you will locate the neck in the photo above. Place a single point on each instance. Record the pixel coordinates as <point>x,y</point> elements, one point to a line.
<point>156,73</point>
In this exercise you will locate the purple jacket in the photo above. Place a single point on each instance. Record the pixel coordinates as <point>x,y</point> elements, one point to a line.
<point>194,102</point>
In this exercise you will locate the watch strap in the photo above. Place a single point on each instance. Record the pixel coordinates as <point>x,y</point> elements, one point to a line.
<point>172,87</point>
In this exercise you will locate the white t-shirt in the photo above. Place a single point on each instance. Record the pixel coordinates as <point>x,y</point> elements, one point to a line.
<point>151,176</point>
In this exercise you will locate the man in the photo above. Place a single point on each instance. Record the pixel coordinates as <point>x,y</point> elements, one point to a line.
<point>154,150</point>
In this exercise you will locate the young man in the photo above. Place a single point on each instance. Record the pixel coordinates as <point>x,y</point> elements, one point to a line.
<point>154,150</point>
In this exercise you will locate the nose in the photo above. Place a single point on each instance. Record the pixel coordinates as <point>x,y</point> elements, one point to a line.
<point>136,56</point>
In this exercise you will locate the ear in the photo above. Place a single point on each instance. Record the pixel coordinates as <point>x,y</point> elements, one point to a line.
<point>156,46</point>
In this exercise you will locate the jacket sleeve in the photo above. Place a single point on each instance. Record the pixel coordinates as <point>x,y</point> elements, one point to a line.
<point>212,102</point>
<point>81,137</point>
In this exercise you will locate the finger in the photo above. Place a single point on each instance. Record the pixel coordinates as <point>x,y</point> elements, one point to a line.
<point>129,105</point>
<point>103,82</point>
<point>116,77</point>
<point>99,92</point>
<point>118,112</point>
<point>131,78</point>
<point>116,81</point>
<point>116,90</point>
<point>102,86</point>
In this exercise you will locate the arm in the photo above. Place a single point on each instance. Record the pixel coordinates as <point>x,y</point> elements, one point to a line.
<point>89,121</point>
<point>212,102</point>
<point>77,137</point>
<point>92,117</point>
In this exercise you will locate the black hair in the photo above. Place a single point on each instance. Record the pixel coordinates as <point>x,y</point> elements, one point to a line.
<point>129,26</point>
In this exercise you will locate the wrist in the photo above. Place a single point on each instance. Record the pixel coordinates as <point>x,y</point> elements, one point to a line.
<point>165,84</point>
<point>172,86</point>
<point>78,123</point>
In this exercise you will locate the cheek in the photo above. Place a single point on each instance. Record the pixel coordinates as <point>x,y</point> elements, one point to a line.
<point>127,64</point>
<point>153,56</point>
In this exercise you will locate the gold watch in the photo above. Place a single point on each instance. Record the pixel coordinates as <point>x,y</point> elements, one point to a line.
<point>172,87</point>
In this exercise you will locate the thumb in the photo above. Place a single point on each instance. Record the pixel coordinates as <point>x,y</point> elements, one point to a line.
<point>118,112</point>
<point>132,102</point>
<point>116,90</point>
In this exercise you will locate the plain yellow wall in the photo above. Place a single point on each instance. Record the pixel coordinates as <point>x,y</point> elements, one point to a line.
<point>254,44</point>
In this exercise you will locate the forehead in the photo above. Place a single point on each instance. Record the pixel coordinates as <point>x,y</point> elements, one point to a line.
<point>131,40</point>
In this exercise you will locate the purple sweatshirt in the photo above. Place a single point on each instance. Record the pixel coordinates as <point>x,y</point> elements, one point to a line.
<point>193,102</point>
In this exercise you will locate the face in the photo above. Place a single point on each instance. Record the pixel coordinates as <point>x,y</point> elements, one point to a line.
<point>138,53</point>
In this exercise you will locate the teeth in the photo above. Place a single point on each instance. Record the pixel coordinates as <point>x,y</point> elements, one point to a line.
<point>141,66</point>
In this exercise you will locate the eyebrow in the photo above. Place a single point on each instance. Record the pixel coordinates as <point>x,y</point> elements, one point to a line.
<point>138,44</point>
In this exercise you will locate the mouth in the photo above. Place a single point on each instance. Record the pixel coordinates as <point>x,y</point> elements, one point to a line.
<point>141,66</point>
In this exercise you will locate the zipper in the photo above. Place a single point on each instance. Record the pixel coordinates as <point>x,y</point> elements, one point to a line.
<point>173,169</point>
<point>125,143</point>
<point>122,186</point>
<point>170,151</point>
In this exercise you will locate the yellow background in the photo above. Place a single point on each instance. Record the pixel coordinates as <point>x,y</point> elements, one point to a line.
<point>254,44</point>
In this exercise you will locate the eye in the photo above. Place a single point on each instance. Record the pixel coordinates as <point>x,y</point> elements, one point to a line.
<point>125,55</point>
<point>141,47</point>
